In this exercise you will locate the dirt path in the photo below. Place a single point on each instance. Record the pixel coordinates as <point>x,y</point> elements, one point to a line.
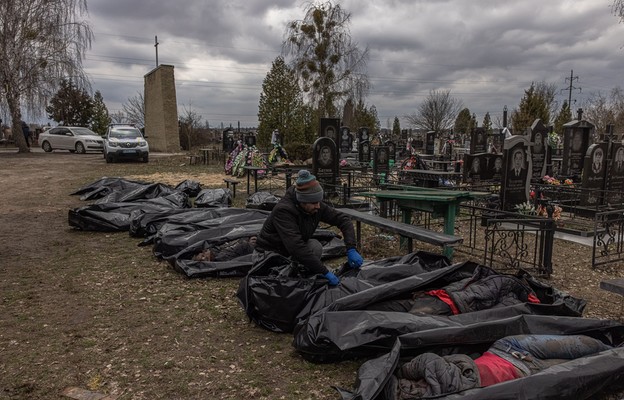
<point>93,310</point>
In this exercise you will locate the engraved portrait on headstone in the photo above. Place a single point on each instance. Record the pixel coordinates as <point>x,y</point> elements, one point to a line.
<point>329,128</point>
<point>364,151</point>
<point>539,134</point>
<point>576,136</point>
<point>516,182</point>
<point>363,134</point>
<point>496,172</point>
<point>325,162</point>
<point>381,160</point>
<point>250,140</point>
<point>346,140</point>
<point>472,168</point>
<point>478,141</point>
<point>593,181</point>
<point>392,150</point>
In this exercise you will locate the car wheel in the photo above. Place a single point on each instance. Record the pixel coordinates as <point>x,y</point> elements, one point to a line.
<point>80,149</point>
<point>145,159</point>
<point>46,146</point>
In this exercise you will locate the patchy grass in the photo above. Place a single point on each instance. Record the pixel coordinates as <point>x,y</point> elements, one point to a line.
<point>96,311</point>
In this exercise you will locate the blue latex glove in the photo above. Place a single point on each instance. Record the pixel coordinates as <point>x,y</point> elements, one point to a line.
<point>354,258</point>
<point>332,278</point>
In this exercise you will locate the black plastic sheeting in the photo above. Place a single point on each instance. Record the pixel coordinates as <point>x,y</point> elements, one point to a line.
<point>276,295</point>
<point>347,329</point>
<point>262,201</point>
<point>112,217</point>
<point>576,379</point>
<point>147,224</point>
<point>115,190</point>
<point>214,198</point>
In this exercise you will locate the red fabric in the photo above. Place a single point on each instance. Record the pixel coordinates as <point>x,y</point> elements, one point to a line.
<point>443,295</point>
<point>533,298</point>
<point>494,369</point>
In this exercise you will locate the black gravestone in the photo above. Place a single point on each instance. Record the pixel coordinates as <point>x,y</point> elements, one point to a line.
<point>430,143</point>
<point>364,151</point>
<point>517,164</point>
<point>594,170</point>
<point>539,149</point>
<point>330,128</point>
<point>615,176</point>
<point>363,134</point>
<point>346,140</point>
<point>495,167</point>
<point>228,140</point>
<point>250,140</point>
<point>381,160</point>
<point>325,163</point>
<point>472,168</point>
<point>392,152</point>
<point>478,141</point>
<point>576,136</point>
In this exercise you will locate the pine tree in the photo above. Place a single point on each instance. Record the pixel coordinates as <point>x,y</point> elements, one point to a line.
<point>487,122</point>
<point>396,128</point>
<point>564,116</point>
<point>534,105</point>
<point>100,119</point>
<point>281,106</point>
<point>70,105</point>
<point>463,124</point>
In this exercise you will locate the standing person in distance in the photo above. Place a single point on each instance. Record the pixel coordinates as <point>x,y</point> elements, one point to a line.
<point>289,228</point>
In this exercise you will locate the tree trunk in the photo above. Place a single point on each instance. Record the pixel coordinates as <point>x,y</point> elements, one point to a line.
<point>16,119</point>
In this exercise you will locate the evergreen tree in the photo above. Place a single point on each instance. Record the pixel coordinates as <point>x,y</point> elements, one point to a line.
<point>396,128</point>
<point>100,119</point>
<point>487,122</point>
<point>70,105</point>
<point>564,116</point>
<point>463,124</point>
<point>281,106</point>
<point>365,117</point>
<point>535,104</point>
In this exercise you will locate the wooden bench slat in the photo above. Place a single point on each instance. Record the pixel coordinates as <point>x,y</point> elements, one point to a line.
<point>403,229</point>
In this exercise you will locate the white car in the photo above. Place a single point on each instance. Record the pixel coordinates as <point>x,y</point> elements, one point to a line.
<point>125,142</point>
<point>73,138</point>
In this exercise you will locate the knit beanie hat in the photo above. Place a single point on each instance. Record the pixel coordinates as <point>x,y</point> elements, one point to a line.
<point>307,188</point>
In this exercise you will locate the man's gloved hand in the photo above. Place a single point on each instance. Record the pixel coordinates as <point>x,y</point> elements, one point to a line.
<point>333,279</point>
<point>354,258</point>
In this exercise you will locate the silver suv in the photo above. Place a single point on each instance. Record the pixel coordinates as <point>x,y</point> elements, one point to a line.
<point>125,142</point>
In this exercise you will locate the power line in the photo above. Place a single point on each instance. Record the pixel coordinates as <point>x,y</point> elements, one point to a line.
<point>571,87</point>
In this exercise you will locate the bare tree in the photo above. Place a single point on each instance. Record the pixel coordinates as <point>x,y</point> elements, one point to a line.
<point>329,65</point>
<point>437,112</point>
<point>190,121</point>
<point>135,110</point>
<point>118,117</point>
<point>618,9</point>
<point>41,41</point>
<point>602,110</point>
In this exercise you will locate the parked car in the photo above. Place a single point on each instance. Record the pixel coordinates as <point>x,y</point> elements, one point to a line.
<point>73,138</point>
<point>125,142</point>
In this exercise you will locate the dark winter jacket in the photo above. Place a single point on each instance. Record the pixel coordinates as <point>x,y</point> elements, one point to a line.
<point>487,289</point>
<point>288,228</point>
<point>431,375</point>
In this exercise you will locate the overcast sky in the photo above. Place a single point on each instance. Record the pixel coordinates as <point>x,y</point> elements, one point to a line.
<point>486,52</point>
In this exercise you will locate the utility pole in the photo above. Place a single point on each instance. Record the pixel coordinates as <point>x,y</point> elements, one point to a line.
<point>156,46</point>
<point>572,78</point>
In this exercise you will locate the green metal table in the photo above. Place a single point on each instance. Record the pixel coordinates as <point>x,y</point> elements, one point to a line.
<point>439,202</point>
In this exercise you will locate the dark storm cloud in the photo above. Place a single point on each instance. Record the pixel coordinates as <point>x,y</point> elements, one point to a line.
<point>486,52</point>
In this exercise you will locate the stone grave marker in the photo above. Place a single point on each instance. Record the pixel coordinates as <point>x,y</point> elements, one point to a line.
<point>615,175</point>
<point>392,150</point>
<point>516,167</point>
<point>250,140</point>
<point>381,161</point>
<point>329,128</point>
<point>494,167</point>
<point>478,141</point>
<point>325,163</point>
<point>364,151</point>
<point>430,143</point>
<point>594,170</point>
<point>346,140</point>
<point>539,150</point>
<point>576,136</point>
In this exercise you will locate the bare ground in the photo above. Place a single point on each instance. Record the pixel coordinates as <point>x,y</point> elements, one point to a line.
<point>95,311</point>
